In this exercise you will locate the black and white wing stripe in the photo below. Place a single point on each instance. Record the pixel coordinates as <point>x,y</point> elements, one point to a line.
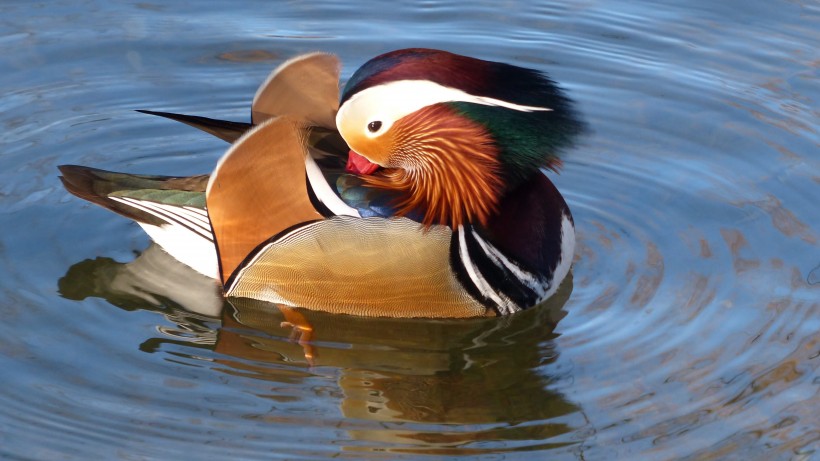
<point>185,232</point>
<point>498,281</point>
<point>487,276</point>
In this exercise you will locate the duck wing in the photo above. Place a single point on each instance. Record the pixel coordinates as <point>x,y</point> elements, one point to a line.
<point>284,236</point>
<point>170,209</point>
<point>259,189</point>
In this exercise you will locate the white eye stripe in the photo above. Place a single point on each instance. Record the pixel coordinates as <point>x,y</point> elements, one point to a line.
<point>395,100</point>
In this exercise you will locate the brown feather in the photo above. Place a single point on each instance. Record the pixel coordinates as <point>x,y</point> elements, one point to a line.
<point>305,88</point>
<point>445,166</point>
<point>258,190</point>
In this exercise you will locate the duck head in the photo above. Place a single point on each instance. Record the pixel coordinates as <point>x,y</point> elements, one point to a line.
<point>452,134</point>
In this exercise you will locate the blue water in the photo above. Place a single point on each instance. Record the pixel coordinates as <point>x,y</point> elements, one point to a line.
<point>690,330</point>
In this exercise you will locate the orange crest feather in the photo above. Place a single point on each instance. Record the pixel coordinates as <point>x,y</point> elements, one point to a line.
<point>445,166</point>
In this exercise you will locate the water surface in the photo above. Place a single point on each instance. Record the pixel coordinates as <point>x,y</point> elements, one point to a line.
<point>689,329</point>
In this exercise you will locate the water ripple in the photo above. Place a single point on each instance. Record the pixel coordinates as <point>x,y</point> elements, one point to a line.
<point>688,330</point>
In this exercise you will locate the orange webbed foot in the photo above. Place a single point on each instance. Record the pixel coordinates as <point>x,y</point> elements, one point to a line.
<point>301,332</point>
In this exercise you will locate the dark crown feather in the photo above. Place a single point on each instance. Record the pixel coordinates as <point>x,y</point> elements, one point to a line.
<point>526,140</point>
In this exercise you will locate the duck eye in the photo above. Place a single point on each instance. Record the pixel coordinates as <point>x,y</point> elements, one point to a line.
<point>374,126</point>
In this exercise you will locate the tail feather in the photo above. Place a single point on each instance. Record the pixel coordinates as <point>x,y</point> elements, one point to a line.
<point>222,129</point>
<point>104,188</point>
<point>170,209</point>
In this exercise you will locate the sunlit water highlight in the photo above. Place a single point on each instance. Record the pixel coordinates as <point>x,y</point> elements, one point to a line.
<point>690,330</point>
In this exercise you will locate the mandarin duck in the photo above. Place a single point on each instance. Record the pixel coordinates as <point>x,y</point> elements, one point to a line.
<point>420,191</point>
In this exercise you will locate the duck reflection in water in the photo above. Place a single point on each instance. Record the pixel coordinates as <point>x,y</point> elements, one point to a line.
<point>481,371</point>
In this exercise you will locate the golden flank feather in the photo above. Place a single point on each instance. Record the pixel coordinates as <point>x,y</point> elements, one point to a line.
<point>371,267</point>
<point>443,165</point>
